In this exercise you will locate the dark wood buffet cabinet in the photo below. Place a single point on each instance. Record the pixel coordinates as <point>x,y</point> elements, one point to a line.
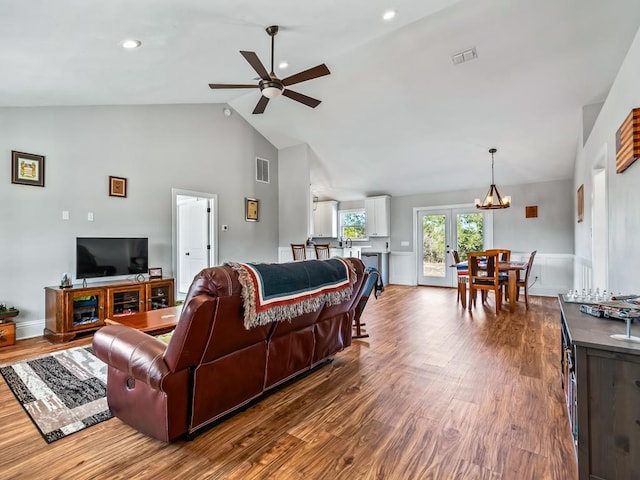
<point>70,311</point>
<point>601,381</point>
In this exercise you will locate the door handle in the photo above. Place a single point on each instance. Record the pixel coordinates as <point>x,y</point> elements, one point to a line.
<point>187,254</point>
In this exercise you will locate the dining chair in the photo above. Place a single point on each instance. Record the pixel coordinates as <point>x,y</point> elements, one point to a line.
<point>525,282</point>
<point>463,277</point>
<point>486,278</point>
<point>299,251</point>
<point>322,251</point>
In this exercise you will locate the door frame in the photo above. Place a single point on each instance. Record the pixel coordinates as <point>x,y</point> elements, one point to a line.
<point>600,221</point>
<point>417,233</point>
<point>213,230</point>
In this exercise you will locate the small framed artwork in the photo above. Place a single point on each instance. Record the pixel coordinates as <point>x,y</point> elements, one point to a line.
<point>117,186</point>
<point>580,203</point>
<point>27,169</point>
<point>155,272</point>
<point>251,209</point>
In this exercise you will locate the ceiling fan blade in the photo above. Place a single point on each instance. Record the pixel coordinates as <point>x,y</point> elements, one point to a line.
<point>257,65</point>
<point>230,85</point>
<point>299,97</point>
<point>262,104</point>
<point>315,72</point>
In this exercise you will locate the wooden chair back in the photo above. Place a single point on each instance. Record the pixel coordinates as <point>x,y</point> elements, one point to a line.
<point>322,251</point>
<point>485,278</point>
<point>503,254</point>
<point>299,251</point>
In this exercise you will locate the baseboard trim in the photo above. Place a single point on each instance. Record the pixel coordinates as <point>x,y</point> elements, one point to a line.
<point>29,329</point>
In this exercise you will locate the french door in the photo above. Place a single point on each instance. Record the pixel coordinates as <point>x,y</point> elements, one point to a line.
<point>439,231</point>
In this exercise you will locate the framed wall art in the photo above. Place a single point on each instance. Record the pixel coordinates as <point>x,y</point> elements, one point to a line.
<point>628,141</point>
<point>27,169</point>
<point>251,209</point>
<point>580,203</point>
<point>117,186</point>
<point>155,272</point>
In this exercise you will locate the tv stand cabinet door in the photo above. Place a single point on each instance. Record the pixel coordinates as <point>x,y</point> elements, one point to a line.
<point>160,294</point>
<point>125,300</point>
<point>85,309</point>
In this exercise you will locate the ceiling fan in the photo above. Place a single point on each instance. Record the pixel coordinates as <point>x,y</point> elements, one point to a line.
<point>270,85</point>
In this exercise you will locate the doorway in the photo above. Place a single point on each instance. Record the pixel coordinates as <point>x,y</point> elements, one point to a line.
<point>441,230</point>
<point>194,235</point>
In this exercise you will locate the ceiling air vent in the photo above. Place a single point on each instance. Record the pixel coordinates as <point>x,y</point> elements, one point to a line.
<point>262,170</point>
<point>464,56</point>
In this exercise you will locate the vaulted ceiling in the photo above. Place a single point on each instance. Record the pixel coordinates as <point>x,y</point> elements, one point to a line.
<point>397,116</point>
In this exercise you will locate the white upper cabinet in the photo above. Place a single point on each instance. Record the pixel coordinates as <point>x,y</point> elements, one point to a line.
<point>378,210</point>
<point>325,219</point>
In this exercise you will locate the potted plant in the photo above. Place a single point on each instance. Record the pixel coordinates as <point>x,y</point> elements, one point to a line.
<point>7,312</point>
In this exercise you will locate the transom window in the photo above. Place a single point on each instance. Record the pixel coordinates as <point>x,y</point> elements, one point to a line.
<point>353,224</point>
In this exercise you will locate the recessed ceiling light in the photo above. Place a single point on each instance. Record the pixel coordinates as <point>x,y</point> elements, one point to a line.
<point>283,65</point>
<point>389,15</point>
<point>131,44</point>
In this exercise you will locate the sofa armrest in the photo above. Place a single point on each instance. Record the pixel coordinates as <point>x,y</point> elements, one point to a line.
<point>129,350</point>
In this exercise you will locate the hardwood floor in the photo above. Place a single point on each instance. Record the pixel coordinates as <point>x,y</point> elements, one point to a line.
<point>436,392</point>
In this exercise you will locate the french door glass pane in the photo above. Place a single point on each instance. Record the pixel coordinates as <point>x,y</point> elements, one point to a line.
<point>470,233</point>
<point>434,246</point>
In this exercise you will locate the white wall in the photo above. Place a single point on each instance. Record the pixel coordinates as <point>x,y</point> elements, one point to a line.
<point>550,234</point>
<point>623,258</point>
<point>191,147</point>
<point>294,197</point>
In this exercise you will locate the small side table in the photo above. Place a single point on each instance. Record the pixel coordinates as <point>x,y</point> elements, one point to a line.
<point>7,333</point>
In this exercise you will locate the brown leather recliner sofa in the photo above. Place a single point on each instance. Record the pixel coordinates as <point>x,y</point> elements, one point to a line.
<point>212,365</point>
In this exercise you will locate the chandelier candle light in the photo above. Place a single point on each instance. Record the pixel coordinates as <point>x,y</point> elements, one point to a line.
<point>492,199</point>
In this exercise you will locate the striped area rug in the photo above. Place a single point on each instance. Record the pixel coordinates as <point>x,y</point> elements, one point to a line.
<point>63,392</point>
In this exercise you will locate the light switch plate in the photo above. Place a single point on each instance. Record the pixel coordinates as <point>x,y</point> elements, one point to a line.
<point>65,214</point>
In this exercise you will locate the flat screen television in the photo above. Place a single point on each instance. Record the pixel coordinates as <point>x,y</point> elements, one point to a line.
<point>107,257</point>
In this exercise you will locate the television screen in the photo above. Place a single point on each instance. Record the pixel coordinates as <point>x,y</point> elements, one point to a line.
<point>105,257</point>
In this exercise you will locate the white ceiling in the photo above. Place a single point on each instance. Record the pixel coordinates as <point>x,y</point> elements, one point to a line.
<point>396,115</point>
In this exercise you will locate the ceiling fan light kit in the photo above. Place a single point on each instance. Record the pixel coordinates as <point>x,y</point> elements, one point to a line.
<point>270,85</point>
<point>493,200</point>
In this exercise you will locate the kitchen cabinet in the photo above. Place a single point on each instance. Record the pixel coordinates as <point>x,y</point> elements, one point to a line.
<point>377,211</point>
<point>325,219</point>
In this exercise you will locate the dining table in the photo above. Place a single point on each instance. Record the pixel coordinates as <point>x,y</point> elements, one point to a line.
<point>511,268</point>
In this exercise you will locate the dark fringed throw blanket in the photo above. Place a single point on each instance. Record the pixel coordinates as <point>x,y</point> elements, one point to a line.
<point>273,292</point>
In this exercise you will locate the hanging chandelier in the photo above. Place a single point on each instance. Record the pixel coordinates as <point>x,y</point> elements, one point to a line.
<point>493,200</point>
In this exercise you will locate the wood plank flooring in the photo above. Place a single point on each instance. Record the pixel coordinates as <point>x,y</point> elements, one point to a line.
<point>436,392</point>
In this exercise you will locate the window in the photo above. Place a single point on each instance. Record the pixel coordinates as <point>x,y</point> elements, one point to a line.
<point>353,224</point>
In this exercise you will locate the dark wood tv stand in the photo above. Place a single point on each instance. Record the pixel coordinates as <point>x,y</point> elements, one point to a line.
<point>601,380</point>
<point>76,310</point>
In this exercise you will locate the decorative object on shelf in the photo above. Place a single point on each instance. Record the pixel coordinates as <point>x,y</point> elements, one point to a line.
<point>117,186</point>
<point>155,272</point>
<point>628,141</point>
<point>7,312</point>
<point>251,209</point>
<point>65,280</point>
<point>493,200</point>
<point>580,203</point>
<point>531,211</point>
<point>27,169</point>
